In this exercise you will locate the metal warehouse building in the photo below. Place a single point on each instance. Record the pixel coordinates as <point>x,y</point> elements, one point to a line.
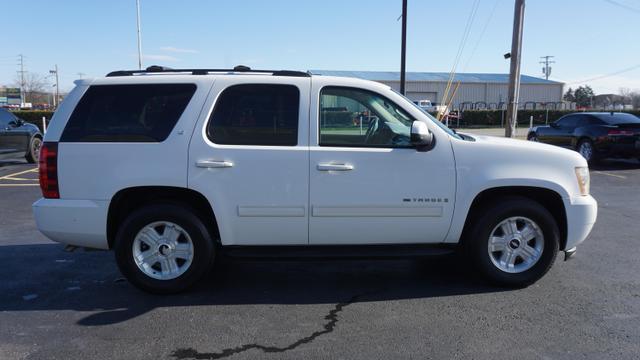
<point>476,91</point>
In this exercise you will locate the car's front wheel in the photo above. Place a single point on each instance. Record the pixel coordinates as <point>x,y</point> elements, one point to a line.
<point>533,137</point>
<point>514,242</point>
<point>164,248</point>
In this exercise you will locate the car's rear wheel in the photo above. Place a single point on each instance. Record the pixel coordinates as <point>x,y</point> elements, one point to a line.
<point>514,242</point>
<point>33,154</point>
<point>586,149</point>
<point>164,248</point>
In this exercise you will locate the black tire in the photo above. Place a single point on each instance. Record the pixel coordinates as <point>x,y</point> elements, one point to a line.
<point>184,217</point>
<point>593,158</point>
<point>476,240</point>
<point>533,137</point>
<point>33,153</point>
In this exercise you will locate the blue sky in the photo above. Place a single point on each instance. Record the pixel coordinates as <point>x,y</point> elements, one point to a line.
<point>589,38</point>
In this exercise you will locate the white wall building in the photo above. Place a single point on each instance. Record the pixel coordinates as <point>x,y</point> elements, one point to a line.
<point>475,90</point>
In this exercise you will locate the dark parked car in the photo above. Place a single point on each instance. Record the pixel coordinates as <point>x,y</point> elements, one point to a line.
<point>18,138</point>
<point>595,135</point>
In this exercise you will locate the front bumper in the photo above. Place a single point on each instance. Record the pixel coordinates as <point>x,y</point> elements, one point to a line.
<point>74,222</point>
<point>582,212</point>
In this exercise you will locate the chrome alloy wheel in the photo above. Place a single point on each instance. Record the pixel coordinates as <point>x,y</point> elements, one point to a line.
<point>586,150</point>
<point>36,144</point>
<point>516,244</point>
<point>163,250</point>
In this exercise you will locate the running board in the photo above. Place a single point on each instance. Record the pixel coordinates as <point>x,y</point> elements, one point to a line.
<point>338,252</point>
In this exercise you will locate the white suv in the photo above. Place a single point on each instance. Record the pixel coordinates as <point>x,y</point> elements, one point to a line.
<point>170,167</point>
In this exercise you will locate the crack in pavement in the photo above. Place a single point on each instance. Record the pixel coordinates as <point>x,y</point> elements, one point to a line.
<point>329,326</point>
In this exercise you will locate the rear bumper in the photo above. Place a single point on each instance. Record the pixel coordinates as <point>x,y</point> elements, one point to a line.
<point>73,222</point>
<point>582,212</point>
<point>622,147</point>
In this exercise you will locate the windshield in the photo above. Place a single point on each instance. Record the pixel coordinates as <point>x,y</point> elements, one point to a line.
<point>430,117</point>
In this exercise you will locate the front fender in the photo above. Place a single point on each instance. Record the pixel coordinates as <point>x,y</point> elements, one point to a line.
<point>490,163</point>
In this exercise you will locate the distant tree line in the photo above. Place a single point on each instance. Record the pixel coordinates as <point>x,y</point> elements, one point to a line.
<point>582,96</point>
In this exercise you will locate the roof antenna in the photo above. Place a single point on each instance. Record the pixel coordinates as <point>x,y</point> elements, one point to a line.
<point>241,68</point>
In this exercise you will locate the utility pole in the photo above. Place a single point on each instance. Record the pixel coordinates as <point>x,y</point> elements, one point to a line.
<point>139,39</point>
<point>56,98</point>
<point>514,72</point>
<point>22,82</point>
<point>81,74</point>
<point>403,50</point>
<point>546,70</point>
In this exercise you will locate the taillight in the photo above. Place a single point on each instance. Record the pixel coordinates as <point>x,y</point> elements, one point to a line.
<point>49,170</point>
<point>618,132</point>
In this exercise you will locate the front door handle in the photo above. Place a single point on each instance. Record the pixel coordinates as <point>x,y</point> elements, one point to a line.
<point>214,164</point>
<point>334,167</point>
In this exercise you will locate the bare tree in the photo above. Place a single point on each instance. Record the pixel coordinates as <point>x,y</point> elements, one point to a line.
<point>35,86</point>
<point>630,96</point>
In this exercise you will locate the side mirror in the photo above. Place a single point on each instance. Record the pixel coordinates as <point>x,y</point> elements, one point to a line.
<point>554,125</point>
<point>16,123</point>
<point>421,137</point>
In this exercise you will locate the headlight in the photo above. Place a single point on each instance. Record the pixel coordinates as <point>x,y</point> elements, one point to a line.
<point>584,180</point>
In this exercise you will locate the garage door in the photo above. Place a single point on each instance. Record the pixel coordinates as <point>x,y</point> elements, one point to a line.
<point>415,96</point>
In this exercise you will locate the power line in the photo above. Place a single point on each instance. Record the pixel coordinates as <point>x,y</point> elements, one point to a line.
<point>624,6</point>
<point>463,42</point>
<point>631,68</point>
<point>484,29</point>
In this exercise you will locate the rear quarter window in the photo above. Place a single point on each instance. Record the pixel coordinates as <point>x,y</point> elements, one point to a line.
<point>128,113</point>
<point>619,118</point>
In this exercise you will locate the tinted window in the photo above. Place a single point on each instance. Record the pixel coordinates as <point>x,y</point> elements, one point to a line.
<point>582,121</point>
<point>5,118</point>
<point>591,120</point>
<point>128,113</point>
<point>256,114</point>
<point>360,118</point>
<point>619,118</point>
<point>568,121</point>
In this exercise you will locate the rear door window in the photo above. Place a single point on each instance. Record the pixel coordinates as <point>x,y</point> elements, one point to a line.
<point>594,121</point>
<point>256,114</point>
<point>128,113</point>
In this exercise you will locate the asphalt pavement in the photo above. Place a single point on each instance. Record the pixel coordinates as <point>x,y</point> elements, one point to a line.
<point>60,305</point>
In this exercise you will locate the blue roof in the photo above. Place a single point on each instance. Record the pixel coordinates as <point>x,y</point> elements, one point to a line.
<point>433,76</point>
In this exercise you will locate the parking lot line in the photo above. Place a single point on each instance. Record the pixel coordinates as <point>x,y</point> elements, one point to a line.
<point>610,174</point>
<point>9,185</point>
<point>9,177</point>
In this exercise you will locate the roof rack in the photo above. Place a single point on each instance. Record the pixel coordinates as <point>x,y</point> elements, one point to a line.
<point>155,69</point>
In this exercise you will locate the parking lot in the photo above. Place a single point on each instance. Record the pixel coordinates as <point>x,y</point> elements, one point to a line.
<point>60,305</point>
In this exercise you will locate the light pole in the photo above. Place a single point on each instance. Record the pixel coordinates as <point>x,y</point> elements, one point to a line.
<point>139,37</point>
<point>403,50</point>
<point>514,72</point>
<point>56,98</point>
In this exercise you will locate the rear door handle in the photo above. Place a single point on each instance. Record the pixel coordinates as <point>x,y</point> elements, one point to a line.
<point>214,164</point>
<point>334,167</point>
